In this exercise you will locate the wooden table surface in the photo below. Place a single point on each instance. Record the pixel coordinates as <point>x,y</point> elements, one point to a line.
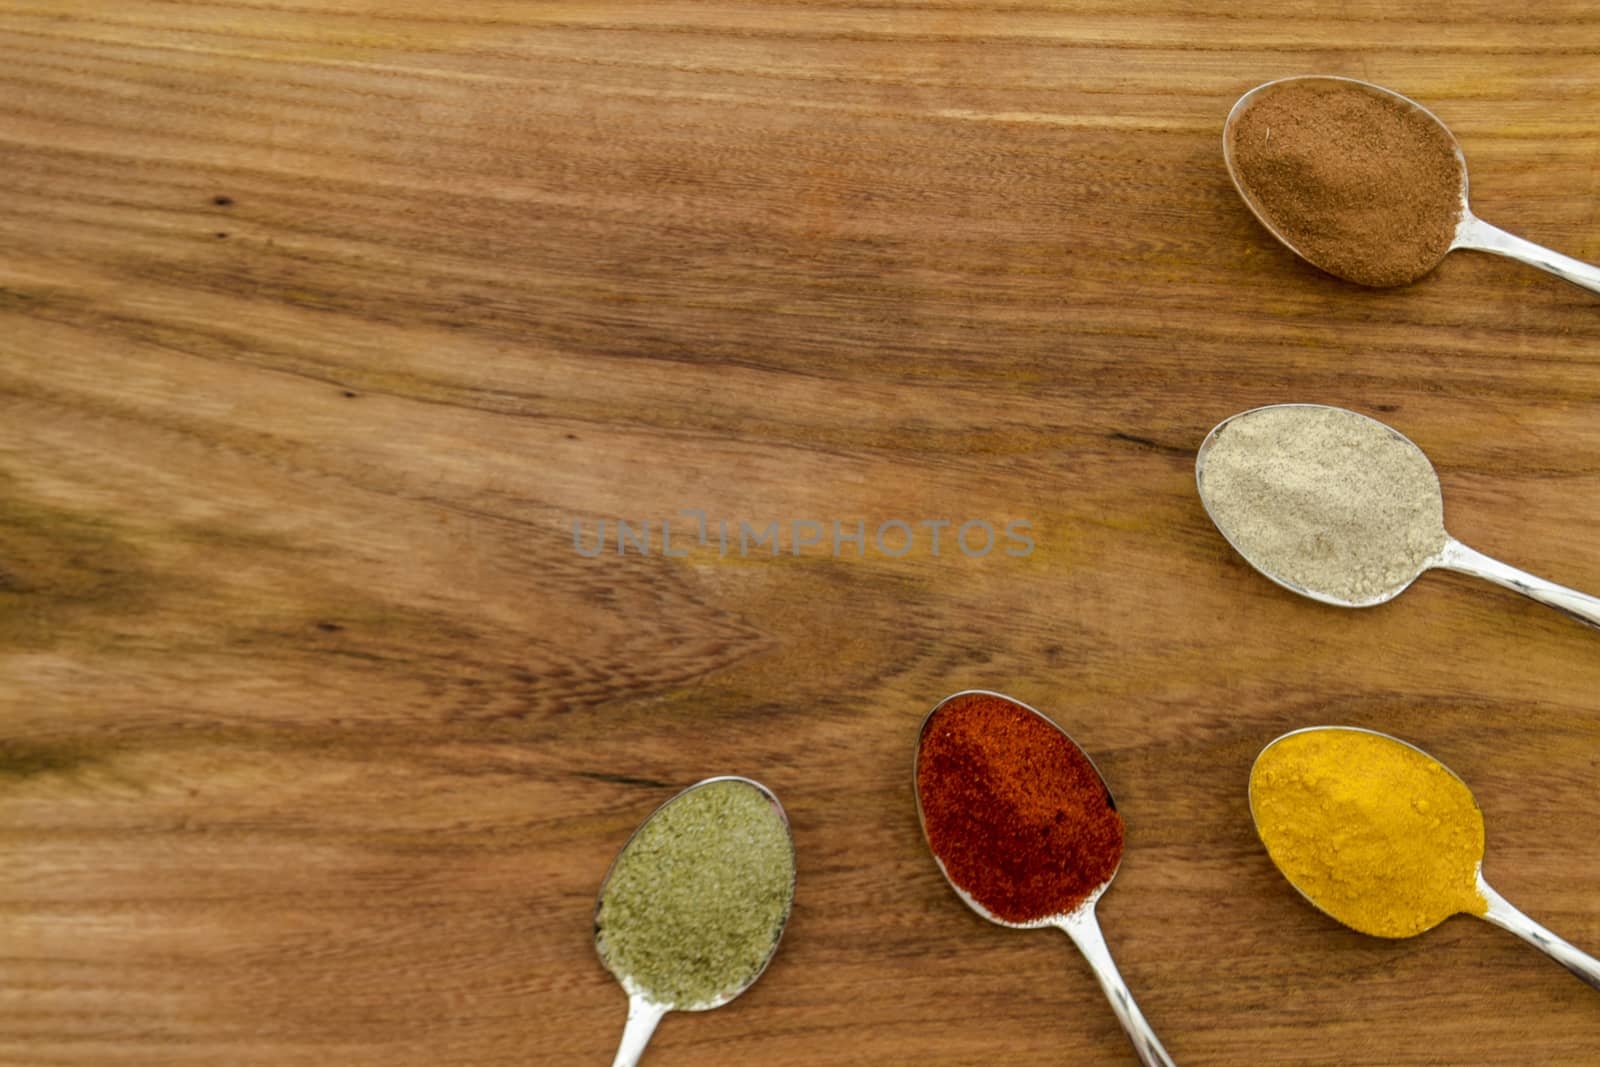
<point>323,325</point>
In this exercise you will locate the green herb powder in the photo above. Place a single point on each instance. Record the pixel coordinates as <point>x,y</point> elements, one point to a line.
<point>697,900</point>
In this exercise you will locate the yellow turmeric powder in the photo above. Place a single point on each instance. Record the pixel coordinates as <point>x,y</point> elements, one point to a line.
<point>1372,831</point>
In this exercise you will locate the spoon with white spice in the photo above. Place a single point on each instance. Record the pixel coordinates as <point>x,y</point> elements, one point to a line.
<point>692,908</point>
<point>1464,229</point>
<point>1341,508</point>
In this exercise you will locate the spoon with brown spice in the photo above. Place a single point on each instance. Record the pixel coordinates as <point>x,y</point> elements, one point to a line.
<point>1364,183</point>
<point>1340,508</point>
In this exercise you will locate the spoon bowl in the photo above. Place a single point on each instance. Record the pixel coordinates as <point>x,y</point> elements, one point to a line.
<point>645,1007</point>
<point>1456,884</point>
<point>1333,530</point>
<point>1469,231</point>
<point>1449,880</point>
<point>1078,921</point>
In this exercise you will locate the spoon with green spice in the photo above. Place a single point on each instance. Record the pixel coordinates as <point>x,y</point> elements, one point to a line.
<point>1341,508</point>
<point>1024,828</point>
<point>691,911</point>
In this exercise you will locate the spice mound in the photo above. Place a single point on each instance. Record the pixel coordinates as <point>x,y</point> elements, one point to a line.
<point>1324,499</point>
<point>1014,811</point>
<point>696,901</point>
<point>1363,185</point>
<point>1377,834</point>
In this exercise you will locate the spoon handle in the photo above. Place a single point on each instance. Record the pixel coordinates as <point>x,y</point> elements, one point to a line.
<point>643,1014</point>
<point>1085,933</point>
<point>1581,606</point>
<point>1473,232</point>
<point>1502,914</point>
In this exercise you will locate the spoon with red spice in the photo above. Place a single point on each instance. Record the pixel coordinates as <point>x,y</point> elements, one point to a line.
<point>1025,830</point>
<point>1364,183</point>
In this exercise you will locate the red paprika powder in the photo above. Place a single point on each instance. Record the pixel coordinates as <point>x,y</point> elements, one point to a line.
<point>1013,809</point>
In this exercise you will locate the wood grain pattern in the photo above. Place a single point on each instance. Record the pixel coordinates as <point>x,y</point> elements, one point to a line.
<point>322,323</point>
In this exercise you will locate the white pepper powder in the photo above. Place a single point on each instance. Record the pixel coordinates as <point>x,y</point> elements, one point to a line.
<point>1324,499</point>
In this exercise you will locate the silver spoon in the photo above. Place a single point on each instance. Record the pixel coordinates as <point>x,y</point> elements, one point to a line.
<point>1497,911</point>
<point>644,1010</point>
<point>1079,924</point>
<point>1471,232</point>
<point>1449,555</point>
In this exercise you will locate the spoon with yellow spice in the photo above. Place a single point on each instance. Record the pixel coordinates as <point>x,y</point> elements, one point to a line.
<point>1382,837</point>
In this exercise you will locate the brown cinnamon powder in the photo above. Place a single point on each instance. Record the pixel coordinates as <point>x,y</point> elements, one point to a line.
<point>1362,185</point>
